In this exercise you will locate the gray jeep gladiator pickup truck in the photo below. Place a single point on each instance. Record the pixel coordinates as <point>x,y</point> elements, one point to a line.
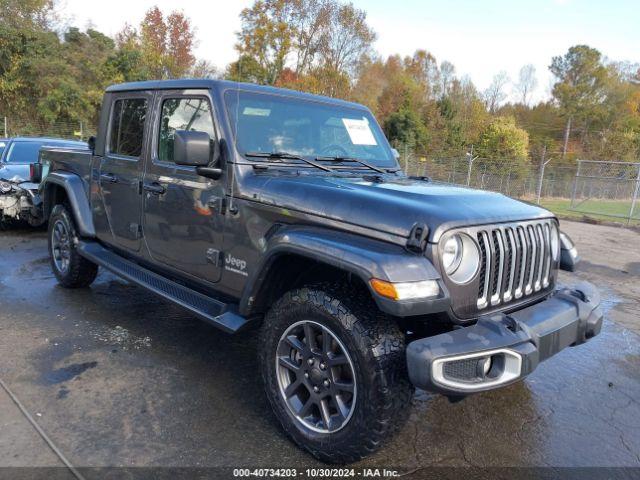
<point>257,206</point>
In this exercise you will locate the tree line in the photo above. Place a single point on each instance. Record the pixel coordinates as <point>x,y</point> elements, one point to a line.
<point>50,75</point>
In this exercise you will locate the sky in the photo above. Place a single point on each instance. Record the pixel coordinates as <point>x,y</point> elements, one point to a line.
<point>480,37</point>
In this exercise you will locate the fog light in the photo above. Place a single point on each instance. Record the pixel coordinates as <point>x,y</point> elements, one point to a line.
<point>484,365</point>
<point>477,371</point>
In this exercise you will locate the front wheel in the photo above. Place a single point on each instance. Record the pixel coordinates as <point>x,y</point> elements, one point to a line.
<point>71,269</point>
<point>334,371</point>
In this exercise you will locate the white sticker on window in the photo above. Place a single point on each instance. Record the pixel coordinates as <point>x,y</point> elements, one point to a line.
<point>359,131</point>
<point>256,112</point>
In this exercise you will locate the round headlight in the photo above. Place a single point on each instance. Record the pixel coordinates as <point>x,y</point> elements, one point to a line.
<point>452,254</point>
<point>460,258</point>
<point>555,243</point>
<point>5,187</point>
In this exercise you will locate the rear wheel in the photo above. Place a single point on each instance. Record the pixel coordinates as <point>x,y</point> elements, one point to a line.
<point>71,269</point>
<point>334,371</point>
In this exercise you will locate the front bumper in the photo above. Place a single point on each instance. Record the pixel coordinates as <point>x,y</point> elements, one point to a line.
<point>503,348</point>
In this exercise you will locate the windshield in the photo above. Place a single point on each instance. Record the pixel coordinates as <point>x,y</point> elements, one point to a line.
<point>272,123</point>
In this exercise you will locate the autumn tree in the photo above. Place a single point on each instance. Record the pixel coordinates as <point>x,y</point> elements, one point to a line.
<point>161,48</point>
<point>579,89</point>
<point>447,77</point>
<point>346,38</point>
<point>527,83</point>
<point>264,40</point>
<point>495,94</point>
<point>153,41</point>
<point>301,39</point>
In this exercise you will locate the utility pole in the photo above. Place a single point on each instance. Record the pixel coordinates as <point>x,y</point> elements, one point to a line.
<point>542,165</point>
<point>5,127</point>
<point>470,158</point>
<point>635,197</point>
<point>567,133</point>
<point>406,159</point>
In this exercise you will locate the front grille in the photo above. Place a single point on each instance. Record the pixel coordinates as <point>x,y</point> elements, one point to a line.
<point>515,262</point>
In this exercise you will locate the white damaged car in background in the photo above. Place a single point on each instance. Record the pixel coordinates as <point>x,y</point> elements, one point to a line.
<point>20,175</point>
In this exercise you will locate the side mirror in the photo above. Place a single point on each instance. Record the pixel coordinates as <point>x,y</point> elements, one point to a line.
<point>191,148</point>
<point>91,143</point>
<point>569,257</point>
<point>396,153</point>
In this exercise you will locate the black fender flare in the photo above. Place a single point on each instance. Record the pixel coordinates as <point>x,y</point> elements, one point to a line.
<point>361,256</point>
<point>77,195</point>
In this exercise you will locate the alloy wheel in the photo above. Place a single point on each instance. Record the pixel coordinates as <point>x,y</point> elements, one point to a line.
<point>61,246</point>
<point>316,377</point>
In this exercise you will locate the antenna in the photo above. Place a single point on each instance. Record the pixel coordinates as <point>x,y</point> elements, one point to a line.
<point>232,209</point>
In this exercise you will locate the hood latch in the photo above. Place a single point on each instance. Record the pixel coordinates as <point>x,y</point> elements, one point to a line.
<point>417,241</point>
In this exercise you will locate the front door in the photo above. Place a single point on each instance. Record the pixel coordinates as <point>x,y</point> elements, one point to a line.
<point>182,226</point>
<point>120,170</point>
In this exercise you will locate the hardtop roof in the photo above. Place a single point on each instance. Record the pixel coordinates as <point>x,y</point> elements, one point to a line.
<point>43,139</point>
<point>194,83</point>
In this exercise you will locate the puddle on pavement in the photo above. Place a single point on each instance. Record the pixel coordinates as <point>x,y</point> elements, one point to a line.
<point>64,374</point>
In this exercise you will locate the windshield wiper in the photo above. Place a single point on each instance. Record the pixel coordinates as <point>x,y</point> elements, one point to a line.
<point>352,159</point>
<point>287,156</point>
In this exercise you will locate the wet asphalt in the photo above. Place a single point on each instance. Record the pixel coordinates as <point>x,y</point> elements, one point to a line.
<point>117,377</point>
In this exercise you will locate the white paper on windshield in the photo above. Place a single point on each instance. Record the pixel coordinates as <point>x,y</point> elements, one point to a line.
<point>359,131</point>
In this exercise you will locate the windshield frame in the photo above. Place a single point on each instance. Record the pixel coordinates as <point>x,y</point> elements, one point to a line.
<point>230,99</point>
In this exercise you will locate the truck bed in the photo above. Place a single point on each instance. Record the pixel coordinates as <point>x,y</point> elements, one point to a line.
<point>67,159</point>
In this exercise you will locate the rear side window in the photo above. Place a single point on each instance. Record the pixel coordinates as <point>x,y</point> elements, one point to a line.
<point>182,114</point>
<point>127,126</point>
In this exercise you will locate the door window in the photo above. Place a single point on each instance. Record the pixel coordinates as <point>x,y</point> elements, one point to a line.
<point>127,126</point>
<point>182,114</point>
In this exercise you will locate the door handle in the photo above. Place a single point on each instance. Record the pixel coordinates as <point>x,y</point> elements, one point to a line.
<point>109,177</point>
<point>154,188</point>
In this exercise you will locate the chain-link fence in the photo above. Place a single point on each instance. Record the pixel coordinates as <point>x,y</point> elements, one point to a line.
<point>609,189</point>
<point>601,190</point>
<point>70,130</point>
<point>518,179</point>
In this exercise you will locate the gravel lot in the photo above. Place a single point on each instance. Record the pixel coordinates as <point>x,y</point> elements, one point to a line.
<point>116,377</point>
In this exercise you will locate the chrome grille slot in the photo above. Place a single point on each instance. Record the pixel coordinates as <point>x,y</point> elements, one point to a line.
<point>515,261</point>
<point>547,263</point>
<point>485,269</point>
<point>498,266</point>
<point>511,262</point>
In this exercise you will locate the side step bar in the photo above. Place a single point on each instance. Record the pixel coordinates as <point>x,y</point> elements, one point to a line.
<point>220,314</point>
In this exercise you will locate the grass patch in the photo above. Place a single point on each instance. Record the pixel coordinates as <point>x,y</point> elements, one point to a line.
<point>602,210</point>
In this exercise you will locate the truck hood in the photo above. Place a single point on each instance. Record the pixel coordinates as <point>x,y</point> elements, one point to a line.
<point>393,205</point>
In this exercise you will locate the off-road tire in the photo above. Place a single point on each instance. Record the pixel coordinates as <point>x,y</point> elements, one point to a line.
<point>80,272</point>
<point>377,349</point>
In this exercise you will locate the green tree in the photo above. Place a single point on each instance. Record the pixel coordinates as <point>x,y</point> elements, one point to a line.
<point>266,38</point>
<point>405,127</point>
<point>502,140</point>
<point>580,87</point>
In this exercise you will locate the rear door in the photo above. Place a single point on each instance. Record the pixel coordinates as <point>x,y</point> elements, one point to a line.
<point>120,170</point>
<point>182,227</point>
